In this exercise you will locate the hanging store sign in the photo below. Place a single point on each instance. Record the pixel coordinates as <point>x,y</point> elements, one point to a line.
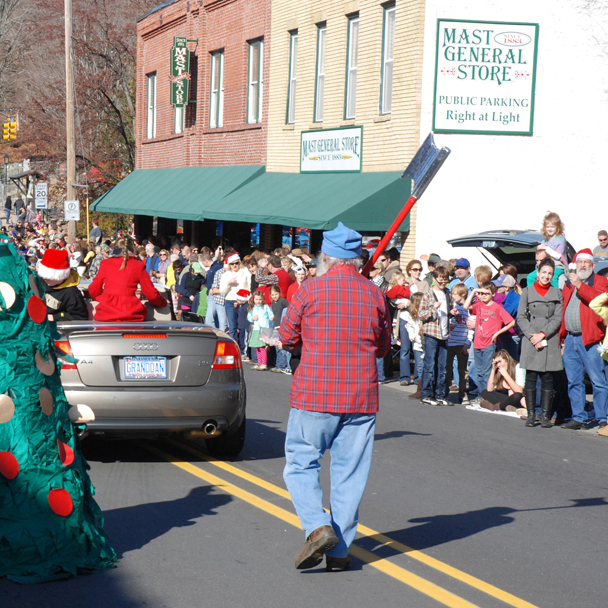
<point>485,76</point>
<point>331,150</point>
<point>71,211</point>
<point>180,71</point>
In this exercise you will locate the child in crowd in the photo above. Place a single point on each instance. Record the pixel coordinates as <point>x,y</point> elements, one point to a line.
<point>491,320</point>
<point>279,306</point>
<point>398,290</point>
<point>434,313</point>
<point>502,392</point>
<point>413,326</point>
<point>459,342</point>
<point>555,241</point>
<point>260,314</point>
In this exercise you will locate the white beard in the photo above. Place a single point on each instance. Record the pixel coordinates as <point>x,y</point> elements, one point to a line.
<point>321,265</point>
<point>583,275</point>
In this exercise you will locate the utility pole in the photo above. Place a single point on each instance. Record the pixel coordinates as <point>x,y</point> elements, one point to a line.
<point>69,118</point>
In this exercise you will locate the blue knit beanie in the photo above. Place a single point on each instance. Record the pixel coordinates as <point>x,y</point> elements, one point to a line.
<point>341,242</point>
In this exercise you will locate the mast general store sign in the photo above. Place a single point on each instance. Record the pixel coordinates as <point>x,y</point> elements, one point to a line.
<point>331,150</point>
<point>180,71</point>
<point>484,77</point>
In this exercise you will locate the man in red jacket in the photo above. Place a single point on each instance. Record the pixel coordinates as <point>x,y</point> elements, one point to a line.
<point>277,276</point>
<point>581,332</point>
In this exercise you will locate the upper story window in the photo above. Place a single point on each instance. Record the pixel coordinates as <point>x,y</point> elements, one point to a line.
<point>190,118</point>
<point>151,105</point>
<point>291,95</point>
<point>178,121</point>
<point>351,67</point>
<point>216,103</point>
<point>255,81</point>
<point>388,54</point>
<point>320,80</point>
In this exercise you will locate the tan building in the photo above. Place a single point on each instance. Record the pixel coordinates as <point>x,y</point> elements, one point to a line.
<point>342,64</point>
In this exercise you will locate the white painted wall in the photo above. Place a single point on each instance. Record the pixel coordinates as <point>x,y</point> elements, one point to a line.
<point>490,181</point>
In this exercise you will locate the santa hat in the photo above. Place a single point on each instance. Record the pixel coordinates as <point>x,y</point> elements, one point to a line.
<point>584,254</point>
<point>243,295</point>
<point>54,265</point>
<point>233,257</point>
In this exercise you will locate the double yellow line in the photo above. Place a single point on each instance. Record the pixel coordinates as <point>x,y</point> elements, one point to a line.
<point>401,574</point>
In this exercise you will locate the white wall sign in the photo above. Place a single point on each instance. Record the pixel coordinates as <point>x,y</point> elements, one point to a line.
<point>41,195</point>
<point>72,211</point>
<point>485,75</point>
<point>334,151</point>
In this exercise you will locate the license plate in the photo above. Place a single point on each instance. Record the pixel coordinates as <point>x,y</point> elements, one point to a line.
<point>136,368</point>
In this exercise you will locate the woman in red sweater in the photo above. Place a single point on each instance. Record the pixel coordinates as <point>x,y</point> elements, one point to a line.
<point>116,283</point>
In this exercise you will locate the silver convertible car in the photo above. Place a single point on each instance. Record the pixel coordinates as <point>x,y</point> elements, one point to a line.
<point>155,378</point>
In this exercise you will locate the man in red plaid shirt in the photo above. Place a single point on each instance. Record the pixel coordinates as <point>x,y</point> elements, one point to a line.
<point>342,322</point>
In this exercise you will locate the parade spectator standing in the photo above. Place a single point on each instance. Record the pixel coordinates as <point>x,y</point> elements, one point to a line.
<point>434,313</point>
<point>555,242</point>
<point>96,233</point>
<point>392,256</point>
<point>581,332</point>
<point>164,264</point>
<point>506,287</point>
<point>301,275</point>
<point>261,316</point>
<point>342,322</point>
<point>559,276</point>
<point>19,205</point>
<point>539,317</point>
<point>101,253</point>
<point>413,277</point>
<point>8,205</point>
<point>600,250</point>
<point>216,316</point>
<point>279,305</point>
<point>459,342</point>
<point>152,260</point>
<point>400,294</point>
<point>189,286</point>
<point>276,276</point>
<point>431,261</point>
<point>236,279</point>
<point>463,275</point>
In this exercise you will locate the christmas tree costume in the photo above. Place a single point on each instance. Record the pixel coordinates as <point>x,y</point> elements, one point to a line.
<point>50,525</point>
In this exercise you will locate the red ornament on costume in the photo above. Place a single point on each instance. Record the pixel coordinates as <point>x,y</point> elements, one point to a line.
<point>36,308</point>
<point>60,502</point>
<point>9,467</point>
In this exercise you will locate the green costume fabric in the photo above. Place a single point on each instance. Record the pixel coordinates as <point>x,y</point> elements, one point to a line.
<point>50,525</point>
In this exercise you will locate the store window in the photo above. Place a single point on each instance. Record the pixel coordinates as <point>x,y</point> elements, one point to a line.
<point>255,81</point>
<point>320,80</point>
<point>190,118</point>
<point>178,120</point>
<point>216,104</point>
<point>291,96</point>
<point>351,67</point>
<point>151,106</point>
<point>388,53</point>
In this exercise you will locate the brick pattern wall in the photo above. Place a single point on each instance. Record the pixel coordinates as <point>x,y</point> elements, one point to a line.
<point>217,24</point>
<point>389,141</point>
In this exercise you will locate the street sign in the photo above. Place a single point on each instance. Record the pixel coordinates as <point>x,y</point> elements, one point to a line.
<point>72,211</point>
<point>41,195</point>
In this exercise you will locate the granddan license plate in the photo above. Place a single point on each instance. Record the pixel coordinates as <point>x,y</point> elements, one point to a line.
<point>145,367</point>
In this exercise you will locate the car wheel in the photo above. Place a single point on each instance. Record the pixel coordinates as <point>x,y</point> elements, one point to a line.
<point>228,445</point>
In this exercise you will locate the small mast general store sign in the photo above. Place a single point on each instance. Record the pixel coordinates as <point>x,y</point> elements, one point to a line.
<point>331,150</point>
<point>485,75</point>
<point>180,71</point>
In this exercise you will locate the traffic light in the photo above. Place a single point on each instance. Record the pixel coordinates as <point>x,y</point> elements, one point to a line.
<point>12,130</point>
<point>6,130</point>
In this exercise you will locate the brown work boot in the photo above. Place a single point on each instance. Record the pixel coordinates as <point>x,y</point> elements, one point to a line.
<point>337,564</point>
<point>320,541</point>
<point>418,392</point>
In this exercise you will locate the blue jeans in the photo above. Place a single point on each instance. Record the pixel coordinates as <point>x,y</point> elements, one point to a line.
<point>579,359</point>
<point>8,215</point>
<point>216,314</point>
<point>350,440</point>
<point>483,364</point>
<point>433,369</point>
<point>404,353</point>
<point>283,359</point>
<point>474,383</point>
<point>418,362</point>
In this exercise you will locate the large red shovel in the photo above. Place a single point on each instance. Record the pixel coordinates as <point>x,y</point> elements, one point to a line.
<point>422,169</point>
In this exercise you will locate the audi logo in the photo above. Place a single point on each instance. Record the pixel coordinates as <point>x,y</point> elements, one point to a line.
<point>145,346</point>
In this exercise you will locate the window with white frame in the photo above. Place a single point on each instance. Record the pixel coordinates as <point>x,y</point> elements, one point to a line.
<point>291,96</point>
<point>320,81</point>
<point>178,121</point>
<point>388,54</point>
<point>216,102</point>
<point>151,106</point>
<point>255,80</point>
<point>351,67</point>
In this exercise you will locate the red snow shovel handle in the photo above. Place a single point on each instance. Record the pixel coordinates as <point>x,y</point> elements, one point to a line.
<point>388,236</point>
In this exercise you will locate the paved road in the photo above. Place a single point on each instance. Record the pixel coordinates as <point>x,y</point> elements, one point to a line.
<point>462,509</point>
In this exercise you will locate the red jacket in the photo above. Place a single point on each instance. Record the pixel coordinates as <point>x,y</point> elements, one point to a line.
<point>593,326</point>
<point>115,289</point>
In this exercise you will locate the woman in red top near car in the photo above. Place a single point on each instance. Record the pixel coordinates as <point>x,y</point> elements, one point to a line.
<point>116,283</point>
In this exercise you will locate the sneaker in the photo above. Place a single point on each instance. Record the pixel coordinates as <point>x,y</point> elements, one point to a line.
<point>443,402</point>
<point>476,401</point>
<point>574,425</point>
<point>404,383</point>
<point>465,400</point>
<point>256,367</point>
<point>285,371</point>
<point>429,401</point>
<point>262,368</point>
<point>275,369</point>
<point>603,424</point>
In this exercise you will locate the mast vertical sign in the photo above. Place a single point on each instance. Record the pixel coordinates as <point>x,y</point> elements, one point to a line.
<point>485,77</point>
<point>180,71</point>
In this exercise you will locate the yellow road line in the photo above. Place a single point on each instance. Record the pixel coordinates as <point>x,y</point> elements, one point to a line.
<point>397,546</point>
<point>401,574</point>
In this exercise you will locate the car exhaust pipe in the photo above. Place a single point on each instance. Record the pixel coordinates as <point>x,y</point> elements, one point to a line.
<point>209,430</point>
<point>210,427</point>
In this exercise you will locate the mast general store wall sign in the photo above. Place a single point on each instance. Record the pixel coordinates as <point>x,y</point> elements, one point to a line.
<point>484,77</point>
<point>331,150</point>
<point>180,71</point>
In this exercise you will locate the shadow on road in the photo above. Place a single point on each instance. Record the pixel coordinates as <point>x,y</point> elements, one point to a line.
<point>397,434</point>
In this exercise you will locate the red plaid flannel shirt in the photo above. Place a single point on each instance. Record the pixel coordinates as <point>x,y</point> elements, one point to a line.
<point>342,321</point>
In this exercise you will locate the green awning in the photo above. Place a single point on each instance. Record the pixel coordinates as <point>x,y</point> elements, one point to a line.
<point>362,201</point>
<point>181,193</point>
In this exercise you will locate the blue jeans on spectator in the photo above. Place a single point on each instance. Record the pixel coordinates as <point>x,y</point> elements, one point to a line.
<point>232,314</point>
<point>509,343</point>
<point>418,363</point>
<point>404,353</point>
<point>216,314</point>
<point>243,326</point>
<point>483,364</point>
<point>8,215</point>
<point>474,382</point>
<point>579,359</point>
<point>350,440</point>
<point>283,359</point>
<point>433,369</point>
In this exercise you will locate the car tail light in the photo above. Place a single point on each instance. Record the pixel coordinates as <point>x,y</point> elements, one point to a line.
<point>64,347</point>
<point>227,356</point>
<point>145,336</point>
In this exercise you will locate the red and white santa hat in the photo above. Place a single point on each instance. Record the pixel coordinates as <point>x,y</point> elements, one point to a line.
<point>233,257</point>
<point>54,265</point>
<point>243,295</point>
<point>584,254</point>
